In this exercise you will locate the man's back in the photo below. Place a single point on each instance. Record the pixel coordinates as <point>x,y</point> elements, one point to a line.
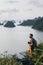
<point>34,45</point>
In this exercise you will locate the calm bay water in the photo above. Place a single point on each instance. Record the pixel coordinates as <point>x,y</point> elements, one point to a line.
<point>15,40</point>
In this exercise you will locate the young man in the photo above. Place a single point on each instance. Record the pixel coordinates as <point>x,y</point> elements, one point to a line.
<point>32,43</point>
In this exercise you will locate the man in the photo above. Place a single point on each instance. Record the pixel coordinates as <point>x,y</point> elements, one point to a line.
<point>32,43</point>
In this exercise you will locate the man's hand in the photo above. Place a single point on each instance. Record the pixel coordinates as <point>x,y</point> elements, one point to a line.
<point>29,42</point>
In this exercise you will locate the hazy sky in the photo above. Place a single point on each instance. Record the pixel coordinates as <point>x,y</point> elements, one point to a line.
<point>20,9</point>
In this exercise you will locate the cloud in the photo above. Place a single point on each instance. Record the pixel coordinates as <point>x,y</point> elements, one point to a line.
<point>29,9</point>
<point>37,3</point>
<point>12,1</point>
<point>21,8</point>
<point>9,10</point>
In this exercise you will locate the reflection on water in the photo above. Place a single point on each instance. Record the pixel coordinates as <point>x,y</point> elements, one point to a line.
<point>15,40</point>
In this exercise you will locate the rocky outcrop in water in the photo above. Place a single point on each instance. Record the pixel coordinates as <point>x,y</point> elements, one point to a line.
<point>1,23</point>
<point>9,24</point>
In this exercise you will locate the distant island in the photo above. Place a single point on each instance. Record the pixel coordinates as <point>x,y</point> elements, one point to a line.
<point>37,23</point>
<point>28,22</point>
<point>9,24</point>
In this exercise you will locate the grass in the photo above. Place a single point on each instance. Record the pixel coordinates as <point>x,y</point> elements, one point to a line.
<point>36,57</point>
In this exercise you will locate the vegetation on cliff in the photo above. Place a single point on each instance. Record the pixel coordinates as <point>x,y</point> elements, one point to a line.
<point>39,24</point>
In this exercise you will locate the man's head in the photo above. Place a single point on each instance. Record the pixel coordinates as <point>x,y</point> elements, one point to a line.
<point>31,36</point>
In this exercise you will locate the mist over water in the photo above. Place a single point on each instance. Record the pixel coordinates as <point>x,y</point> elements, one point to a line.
<point>15,40</point>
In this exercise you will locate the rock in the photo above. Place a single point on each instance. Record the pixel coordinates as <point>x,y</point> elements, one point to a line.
<point>24,59</point>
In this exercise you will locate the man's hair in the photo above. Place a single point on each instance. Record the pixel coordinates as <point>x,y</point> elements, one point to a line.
<point>31,35</point>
